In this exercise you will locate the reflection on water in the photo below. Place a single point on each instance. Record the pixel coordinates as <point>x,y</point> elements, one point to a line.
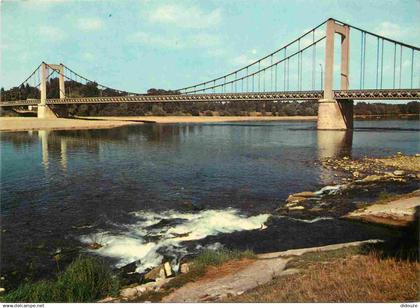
<point>227,161</point>
<point>329,143</point>
<point>43,136</point>
<point>334,143</point>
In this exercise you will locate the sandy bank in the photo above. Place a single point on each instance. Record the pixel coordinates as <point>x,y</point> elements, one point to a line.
<point>204,119</point>
<point>22,124</point>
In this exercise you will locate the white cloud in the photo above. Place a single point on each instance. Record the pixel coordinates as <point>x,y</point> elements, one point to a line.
<point>217,52</point>
<point>185,16</point>
<point>242,60</point>
<point>51,33</point>
<point>88,56</point>
<point>40,4</point>
<point>309,38</point>
<point>89,24</point>
<point>155,40</point>
<point>202,40</point>
<point>390,30</point>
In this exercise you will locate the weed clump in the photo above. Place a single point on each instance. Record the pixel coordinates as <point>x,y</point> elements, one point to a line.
<point>84,280</point>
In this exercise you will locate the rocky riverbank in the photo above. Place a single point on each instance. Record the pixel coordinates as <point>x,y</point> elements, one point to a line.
<point>358,184</point>
<point>378,190</point>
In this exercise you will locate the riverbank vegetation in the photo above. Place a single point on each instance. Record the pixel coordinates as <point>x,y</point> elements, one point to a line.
<point>207,264</point>
<point>84,280</point>
<point>89,279</point>
<point>342,276</point>
<point>236,108</point>
<point>382,272</point>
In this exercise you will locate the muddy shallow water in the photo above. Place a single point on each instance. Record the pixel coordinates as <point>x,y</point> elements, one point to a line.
<point>159,191</point>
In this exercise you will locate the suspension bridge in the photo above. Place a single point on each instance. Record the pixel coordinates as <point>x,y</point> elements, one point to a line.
<point>382,69</point>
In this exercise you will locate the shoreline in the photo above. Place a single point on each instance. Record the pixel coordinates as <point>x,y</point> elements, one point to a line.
<point>30,124</point>
<point>15,124</point>
<point>202,119</point>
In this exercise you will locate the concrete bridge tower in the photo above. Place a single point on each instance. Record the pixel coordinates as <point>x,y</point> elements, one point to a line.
<point>45,111</point>
<point>333,114</point>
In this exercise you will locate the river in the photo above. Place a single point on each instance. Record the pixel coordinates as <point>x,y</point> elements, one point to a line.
<point>154,192</point>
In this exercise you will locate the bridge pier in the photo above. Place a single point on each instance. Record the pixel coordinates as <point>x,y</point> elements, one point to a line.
<point>333,114</point>
<point>45,111</point>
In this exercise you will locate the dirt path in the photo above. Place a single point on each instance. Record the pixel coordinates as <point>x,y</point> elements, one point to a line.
<point>264,269</point>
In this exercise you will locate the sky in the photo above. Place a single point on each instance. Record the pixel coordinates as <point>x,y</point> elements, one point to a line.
<point>135,45</point>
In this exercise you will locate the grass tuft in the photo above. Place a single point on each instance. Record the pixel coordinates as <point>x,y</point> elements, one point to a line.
<point>87,279</point>
<point>43,291</point>
<point>84,280</point>
<point>216,257</point>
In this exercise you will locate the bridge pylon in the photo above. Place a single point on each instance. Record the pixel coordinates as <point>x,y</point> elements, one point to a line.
<point>45,111</point>
<point>333,114</point>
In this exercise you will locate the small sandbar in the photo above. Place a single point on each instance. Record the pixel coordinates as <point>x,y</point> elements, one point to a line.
<point>23,124</point>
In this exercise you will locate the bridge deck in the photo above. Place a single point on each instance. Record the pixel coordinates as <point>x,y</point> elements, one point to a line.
<point>385,94</point>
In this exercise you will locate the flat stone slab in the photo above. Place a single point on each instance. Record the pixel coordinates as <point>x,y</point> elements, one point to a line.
<point>399,212</point>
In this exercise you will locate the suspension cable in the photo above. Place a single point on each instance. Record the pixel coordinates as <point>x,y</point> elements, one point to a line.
<point>265,68</point>
<point>257,61</point>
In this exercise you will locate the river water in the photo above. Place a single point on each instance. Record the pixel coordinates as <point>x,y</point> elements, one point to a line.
<point>150,192</point>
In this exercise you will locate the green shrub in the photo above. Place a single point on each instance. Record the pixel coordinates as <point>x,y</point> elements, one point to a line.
<point>84,280</point>
<point>87,279</point>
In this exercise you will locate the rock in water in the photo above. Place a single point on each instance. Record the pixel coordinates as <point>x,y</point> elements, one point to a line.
<point>184,268</point>
<point>156,273</point>
<point>129,275</point>
<point>168,269</point>
<point>399,172</point>
<point>372,178</point>
<point>296,208</point>
<point>295,199</point>
<point>305,194</point>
